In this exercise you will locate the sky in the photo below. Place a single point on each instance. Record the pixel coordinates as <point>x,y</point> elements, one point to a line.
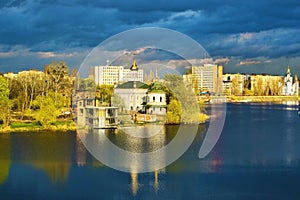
<point>244,36</point>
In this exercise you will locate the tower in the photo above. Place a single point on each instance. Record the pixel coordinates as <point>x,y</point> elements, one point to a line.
<point>134,66</point>
<point>288,83</point>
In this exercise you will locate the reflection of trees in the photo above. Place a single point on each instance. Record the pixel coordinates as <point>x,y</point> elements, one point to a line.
<point>50,152</point>
<point>5,158</point>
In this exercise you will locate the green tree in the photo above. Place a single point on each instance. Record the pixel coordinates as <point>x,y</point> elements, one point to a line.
<point>58,73</point>
<point>174,112</point>
<point>118,101</point>
<point>86,84</point>
<point>5,104</point>
<point>50,106</point>
<point>177,90</point>
<point>104,93</point>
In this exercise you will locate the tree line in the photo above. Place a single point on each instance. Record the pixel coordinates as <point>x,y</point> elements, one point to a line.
<point>36,95</point>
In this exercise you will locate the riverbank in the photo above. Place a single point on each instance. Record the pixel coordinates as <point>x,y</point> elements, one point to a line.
<point>25,126</point>
<point>276,99</point>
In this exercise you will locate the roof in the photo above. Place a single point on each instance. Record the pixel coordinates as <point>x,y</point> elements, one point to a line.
<point>134,66</point>
<point>156,88</point>
<point>156,91</point>
<point>130,84</point>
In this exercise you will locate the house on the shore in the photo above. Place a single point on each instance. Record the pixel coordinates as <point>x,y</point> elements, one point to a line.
<point>156,100</point>
<point>131,96</point>
<point>90,113</point>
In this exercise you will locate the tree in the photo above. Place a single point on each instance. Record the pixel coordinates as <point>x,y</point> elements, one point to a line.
<point>174,112</point>
<point>104,93</point>
<point>259,90</point>
<point>177,90</point>
<point>235,86</point>
<point>86,84</point>
<point>58,73</point>
<point>50,106</point>
<point>5,104</point>
<point>118,101</point>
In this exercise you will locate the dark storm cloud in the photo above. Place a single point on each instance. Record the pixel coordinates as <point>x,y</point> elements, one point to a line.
<point>231,28</point>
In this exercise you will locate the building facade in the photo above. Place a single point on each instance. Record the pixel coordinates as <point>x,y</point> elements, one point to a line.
<point>207,78</point>
<point>156,100</point>
<point>290,87</point>
<point>233,84</point>
<point>135,96</point>
<point>131,96</point>
<point>111,75</point>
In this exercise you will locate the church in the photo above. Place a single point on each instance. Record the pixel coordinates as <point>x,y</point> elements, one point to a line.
<point>290,86</point>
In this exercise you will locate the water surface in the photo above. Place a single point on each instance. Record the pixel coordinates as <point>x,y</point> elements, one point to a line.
<point>257,157</point>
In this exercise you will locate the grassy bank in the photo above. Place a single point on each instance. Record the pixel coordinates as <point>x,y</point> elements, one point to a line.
<point>277,99</point>
<point>25,126</point>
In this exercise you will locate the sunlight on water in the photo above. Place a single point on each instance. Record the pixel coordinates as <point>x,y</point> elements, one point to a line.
<point>259,147</point>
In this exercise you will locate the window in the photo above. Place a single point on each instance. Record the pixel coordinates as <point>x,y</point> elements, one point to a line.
<point>160,99</point>
<point>81,111</point>
<point>153,99</point>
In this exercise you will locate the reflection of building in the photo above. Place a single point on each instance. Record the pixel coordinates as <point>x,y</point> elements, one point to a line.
<point>206,78</point>
<point>90,113</point>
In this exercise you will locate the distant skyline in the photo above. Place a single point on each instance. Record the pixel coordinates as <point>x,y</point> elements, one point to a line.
<point>246,36</point>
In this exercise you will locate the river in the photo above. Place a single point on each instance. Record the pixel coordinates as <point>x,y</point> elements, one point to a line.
<point>256,157</point>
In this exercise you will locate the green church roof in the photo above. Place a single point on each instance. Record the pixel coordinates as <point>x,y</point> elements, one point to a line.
<point>130,84</point>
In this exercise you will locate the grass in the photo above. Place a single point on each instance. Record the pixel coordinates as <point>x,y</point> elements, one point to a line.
<point>28,125</point>
<point>21,126</point>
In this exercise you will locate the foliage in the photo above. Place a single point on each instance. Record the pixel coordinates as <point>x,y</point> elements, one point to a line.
<point>104,93</point>
<point>50,106</point>
<point>249,92</point>
<point>174,112</point>
<point>118,101</point>
<point>177,91</point>
<point>26,86</point>
<point>57,73</point>
<point>5,103</point>
<point>86,84</point>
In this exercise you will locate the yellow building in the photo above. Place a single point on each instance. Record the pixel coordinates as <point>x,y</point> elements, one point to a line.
<point>233,84</point>
<point>206,78</point>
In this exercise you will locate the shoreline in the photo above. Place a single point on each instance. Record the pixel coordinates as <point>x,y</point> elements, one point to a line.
<point>28,126</point>
<point>69,125</point>
<point>261,99</point>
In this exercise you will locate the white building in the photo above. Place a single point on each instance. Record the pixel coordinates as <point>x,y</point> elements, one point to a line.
<point>138,97</point>
<point>112,75</point>
<point>290,88</point>
<point>109,75</point>
<point>89,113</point>
<point>132,94</point>
<point>156,101</point>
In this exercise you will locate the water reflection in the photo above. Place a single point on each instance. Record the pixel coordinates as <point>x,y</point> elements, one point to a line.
<point>5,157</point>
<point>252,157</point>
